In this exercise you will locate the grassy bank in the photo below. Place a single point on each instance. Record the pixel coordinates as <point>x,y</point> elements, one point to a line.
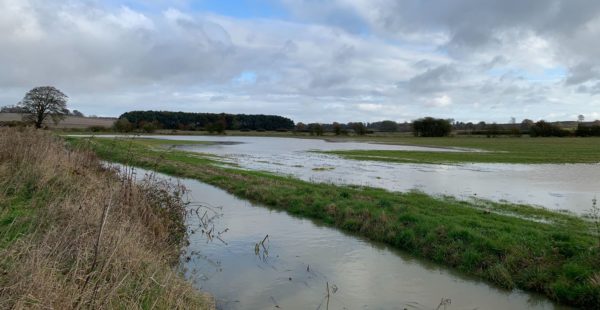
<point>498,150</point>
<point>74,234</point>
<point>509,245</point>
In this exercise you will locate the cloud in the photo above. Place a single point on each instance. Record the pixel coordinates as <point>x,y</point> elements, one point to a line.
<point>433,80</point>
<point>337,60</point>
<point>439,102</point>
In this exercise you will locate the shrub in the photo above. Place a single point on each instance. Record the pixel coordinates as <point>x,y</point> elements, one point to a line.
<point>123,125</point>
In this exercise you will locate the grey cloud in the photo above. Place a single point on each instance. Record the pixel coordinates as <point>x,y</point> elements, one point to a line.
<point>593,89</point>
<point>433,80</point>
<point>472,27</point>
<point>328,80</point>
<point>582,73</point>
<point>110,59</point>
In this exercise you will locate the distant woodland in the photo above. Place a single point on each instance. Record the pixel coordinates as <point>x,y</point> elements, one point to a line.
<point>205,121</point>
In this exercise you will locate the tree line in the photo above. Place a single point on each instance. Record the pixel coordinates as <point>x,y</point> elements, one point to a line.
<point>438,127</point>
<point>147,120</point>
<point>22,110</point>
<point>41,103</point>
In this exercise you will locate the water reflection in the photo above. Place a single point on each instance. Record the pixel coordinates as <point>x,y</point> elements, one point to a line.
<point>560,187</point>
<point>298,262</point>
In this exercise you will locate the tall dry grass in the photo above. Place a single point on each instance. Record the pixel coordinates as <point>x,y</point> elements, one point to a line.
<point>87,237</point>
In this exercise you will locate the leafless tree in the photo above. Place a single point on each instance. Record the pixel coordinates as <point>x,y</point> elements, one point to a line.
<point>42,102</point>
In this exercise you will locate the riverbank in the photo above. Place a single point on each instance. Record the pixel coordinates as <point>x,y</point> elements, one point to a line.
<point>74,234</point>
<point>509,245</point>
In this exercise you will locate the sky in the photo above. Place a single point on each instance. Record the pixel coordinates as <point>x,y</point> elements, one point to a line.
<point>310,60</point>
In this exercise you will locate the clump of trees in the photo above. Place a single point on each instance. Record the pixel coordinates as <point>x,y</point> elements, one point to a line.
<point>315,129</point>
<point>431,127</point>
<point>76,113</point>
<point>545,129</point>
<point>587,130</point>
<point>208,121</point>
<point>359,128</point>
<point>123,125</point>
<point>388,126</point>
<point>339,129</point>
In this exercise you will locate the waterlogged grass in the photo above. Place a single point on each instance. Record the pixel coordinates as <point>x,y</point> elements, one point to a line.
<point>509,245</point>
<point>523,150</point>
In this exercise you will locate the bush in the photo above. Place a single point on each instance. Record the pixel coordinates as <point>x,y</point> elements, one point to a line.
<point>123,125</point>
<point>149,127</point>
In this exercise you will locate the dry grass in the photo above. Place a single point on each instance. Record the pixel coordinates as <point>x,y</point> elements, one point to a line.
<point>74,234</point>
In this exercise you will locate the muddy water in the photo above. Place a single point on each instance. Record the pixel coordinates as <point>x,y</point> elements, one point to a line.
<point>302,258</point>
<point>570,187</point>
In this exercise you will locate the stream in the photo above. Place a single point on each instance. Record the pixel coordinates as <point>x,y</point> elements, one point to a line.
<point>300,261</point>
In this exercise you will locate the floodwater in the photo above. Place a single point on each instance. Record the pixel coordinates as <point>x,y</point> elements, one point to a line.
<point>560,187</point>
<point>300,259</point>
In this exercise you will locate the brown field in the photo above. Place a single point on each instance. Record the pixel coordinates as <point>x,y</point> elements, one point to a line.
<point>68,122</point>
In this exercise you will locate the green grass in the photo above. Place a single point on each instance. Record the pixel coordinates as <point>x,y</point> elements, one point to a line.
<point>497,150</point>
<point>16,217</point>
<point>20,203</point>
<point>509,245</point>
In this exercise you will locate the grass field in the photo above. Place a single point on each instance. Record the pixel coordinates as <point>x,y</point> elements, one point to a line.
<point>497,150</point>
<point>508,245</point>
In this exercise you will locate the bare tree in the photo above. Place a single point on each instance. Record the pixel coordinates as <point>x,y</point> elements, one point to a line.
<point>580,118</point>
<point>42,102</point>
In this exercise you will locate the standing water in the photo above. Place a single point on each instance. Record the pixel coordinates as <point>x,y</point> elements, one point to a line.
<point>566,186</point>
<point>300,263</point>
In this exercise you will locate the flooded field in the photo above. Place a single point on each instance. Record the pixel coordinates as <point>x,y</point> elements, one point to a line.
<point>300,258</point>
<point>554,186</point>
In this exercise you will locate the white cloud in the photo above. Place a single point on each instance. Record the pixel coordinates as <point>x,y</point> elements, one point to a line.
<point>337,60</point>
<point>440,102</point>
